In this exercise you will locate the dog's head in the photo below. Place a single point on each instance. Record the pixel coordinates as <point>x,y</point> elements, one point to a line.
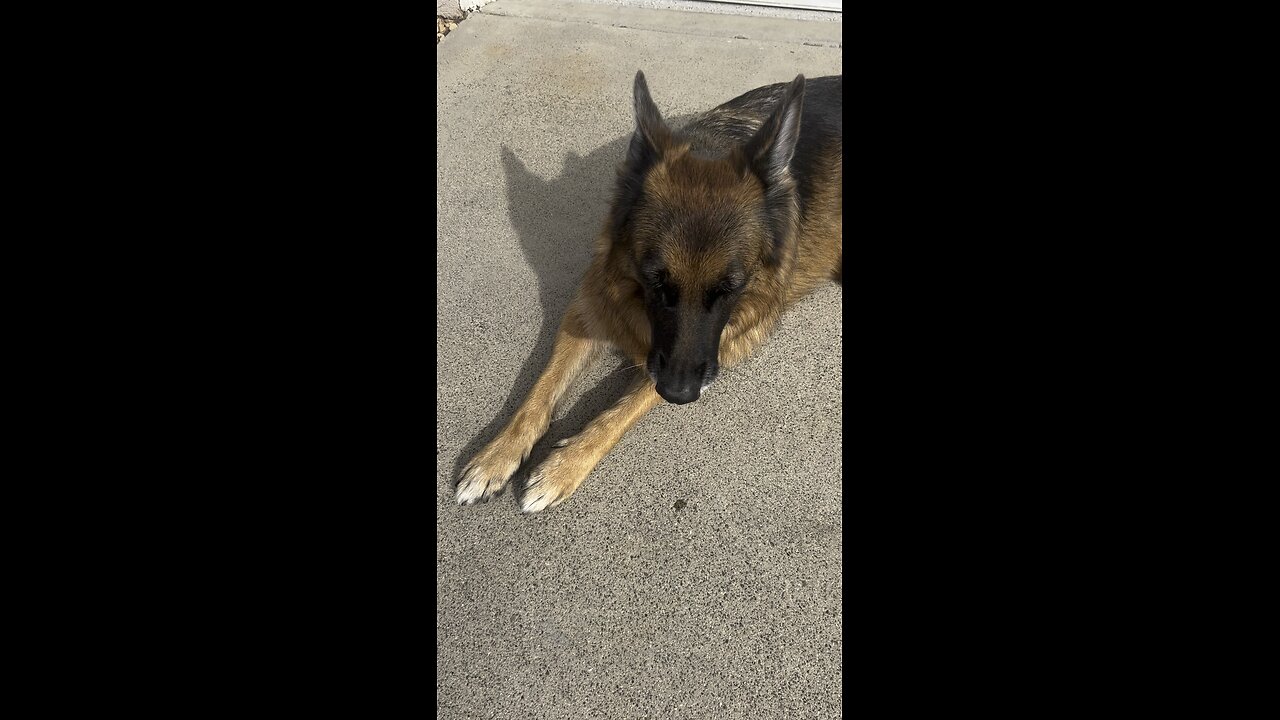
<point>694,232</point>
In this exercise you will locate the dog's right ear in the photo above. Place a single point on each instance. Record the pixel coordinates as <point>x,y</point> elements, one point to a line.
<point>652,136</point>
<point>650,140</point>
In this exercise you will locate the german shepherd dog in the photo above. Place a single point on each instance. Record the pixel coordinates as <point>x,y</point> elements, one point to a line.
<point>714,231</point>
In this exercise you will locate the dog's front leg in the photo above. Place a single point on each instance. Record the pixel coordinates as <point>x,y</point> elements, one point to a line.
<point>564,470</point>
<point>488,472</point>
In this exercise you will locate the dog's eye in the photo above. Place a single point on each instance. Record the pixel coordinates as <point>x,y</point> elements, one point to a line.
<point>659,288</point>
<point>669,295</point>
<point>721,291</point>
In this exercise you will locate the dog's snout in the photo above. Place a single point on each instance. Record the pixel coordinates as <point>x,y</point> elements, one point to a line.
<point>679,394</point>
<point>681,382</point>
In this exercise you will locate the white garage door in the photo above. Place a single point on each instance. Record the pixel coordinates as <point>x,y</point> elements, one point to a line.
<point>832,5</point>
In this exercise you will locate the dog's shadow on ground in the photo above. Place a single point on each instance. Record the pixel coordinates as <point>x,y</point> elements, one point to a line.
<point>557,222</point>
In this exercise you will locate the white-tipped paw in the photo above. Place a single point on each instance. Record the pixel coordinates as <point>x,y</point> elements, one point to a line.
<point>487,475</point>
<point>537,503</point>
<point>556,478</point>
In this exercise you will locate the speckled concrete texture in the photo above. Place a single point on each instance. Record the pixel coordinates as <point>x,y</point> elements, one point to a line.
<point>449,9</point>
<point>697,571</point>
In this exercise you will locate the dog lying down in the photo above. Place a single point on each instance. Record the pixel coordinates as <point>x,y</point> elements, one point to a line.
<point>714,231</point>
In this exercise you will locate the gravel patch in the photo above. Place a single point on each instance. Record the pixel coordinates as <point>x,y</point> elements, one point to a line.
<point>445,25</point>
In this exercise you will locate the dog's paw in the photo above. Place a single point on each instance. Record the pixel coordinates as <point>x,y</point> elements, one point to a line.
<point>488,472</point>
<point>556,478</point>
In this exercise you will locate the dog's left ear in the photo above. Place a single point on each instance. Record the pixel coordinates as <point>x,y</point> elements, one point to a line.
<point>774,144</point>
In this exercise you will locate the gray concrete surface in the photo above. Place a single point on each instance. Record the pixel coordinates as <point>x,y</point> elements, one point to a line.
<point>716,8</point>
<point>725,28</point>
<point>697,572</point>
<point>449,9</point>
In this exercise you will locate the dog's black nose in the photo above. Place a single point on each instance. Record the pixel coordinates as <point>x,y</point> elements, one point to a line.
<point>679,395</point>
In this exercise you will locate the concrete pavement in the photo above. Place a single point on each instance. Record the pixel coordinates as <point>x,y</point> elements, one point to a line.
<point>696,573</point>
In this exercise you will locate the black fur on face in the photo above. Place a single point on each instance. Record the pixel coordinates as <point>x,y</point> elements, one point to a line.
<point>687,320</point>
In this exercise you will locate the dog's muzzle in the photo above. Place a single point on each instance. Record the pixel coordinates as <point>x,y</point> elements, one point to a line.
<point>683,385</point>
<point>680,394</point>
